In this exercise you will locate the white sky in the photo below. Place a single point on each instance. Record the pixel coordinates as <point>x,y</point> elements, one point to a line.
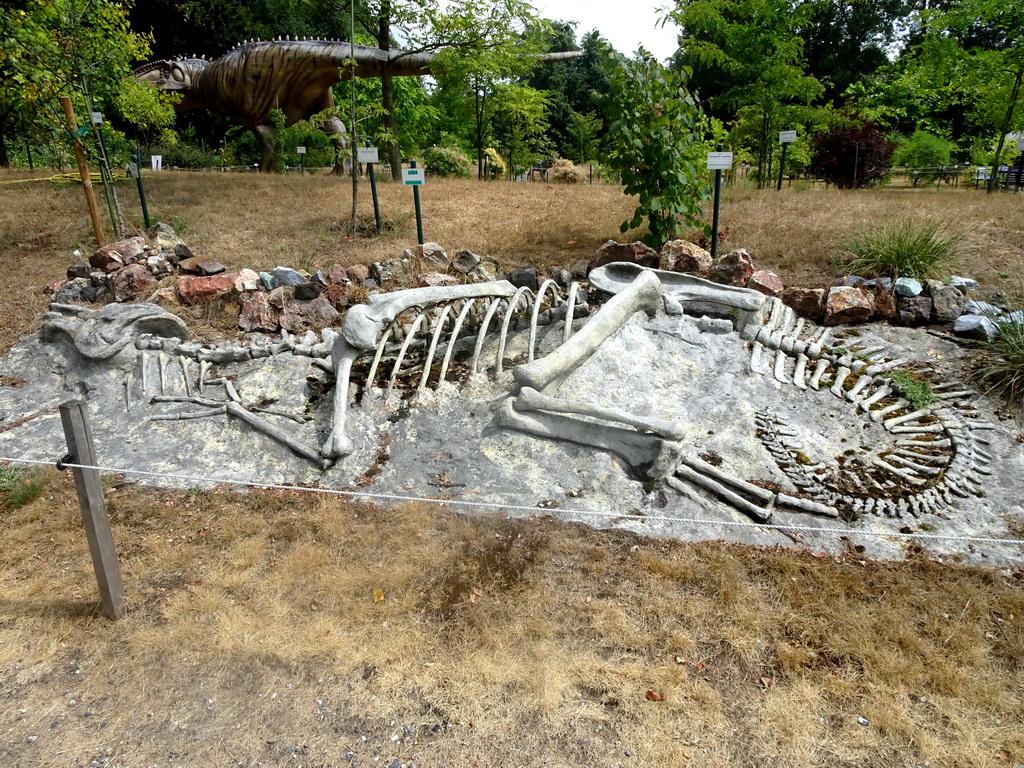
<point>624,24</point>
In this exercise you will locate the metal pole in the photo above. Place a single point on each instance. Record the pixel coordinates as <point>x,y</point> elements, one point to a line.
<point>373,191</point>
<point>782,166</point>
<point>137,159</point>
<point>416,200</point>
<point>83,170</point>
<point>714,220</point>
<point>78,434</point>
<point>28,146</point>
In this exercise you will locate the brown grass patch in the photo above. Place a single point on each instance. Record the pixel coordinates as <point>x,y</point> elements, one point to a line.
<point>253,633</point>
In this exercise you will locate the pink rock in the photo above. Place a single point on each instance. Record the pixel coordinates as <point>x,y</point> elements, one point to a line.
<point>633,253</point>
<point>435,279</point>
<point>847,305</point>
<point>199,290</point>
<point>337,274</point>
<point>256,314</point>
<point>56,285</point>
<point>766,281</point>
<point>735,268</point>
<point>118,253</point>
<point>357,273</point>
<point>132,282</point>
<point>684,256</point>
<point>806,302</point>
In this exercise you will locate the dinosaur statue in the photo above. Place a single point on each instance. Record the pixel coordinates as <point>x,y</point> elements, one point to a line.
<point>295,76</point>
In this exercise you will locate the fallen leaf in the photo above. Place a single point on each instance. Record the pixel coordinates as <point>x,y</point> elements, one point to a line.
<point>571,242</point>
<point>378,595</point>
<point>681,660</point>
<point>314,606</point>
<point>766,681</point>
<point>652,696</point>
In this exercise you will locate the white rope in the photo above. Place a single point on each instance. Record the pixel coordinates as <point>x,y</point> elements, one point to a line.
<point>362,494</point>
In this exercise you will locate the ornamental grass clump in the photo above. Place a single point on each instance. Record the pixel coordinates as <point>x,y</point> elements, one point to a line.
<point>1002,360</point>
<point>903,249</point>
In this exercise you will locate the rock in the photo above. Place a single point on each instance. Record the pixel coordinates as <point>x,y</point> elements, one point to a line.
<point>267,280</point>
<point>578,269</point>
<point>973,307</point>
<point>247,280</point>
<point>200,290</point>
<point>107,260</point>
<point>561,276</point>
<point>735,268</point>
<point>358,272</point>
<point>997,299</point>
<point>256,314</point>
<point>765,281</point>
<point>182,253</point>
<point>633,253</point>
<point>524,277</point>
<point>435,279</point>
<point>878,282</point>
<point>337,275</point>
<point>280,296</point>
<point>883,298</point>
<point>484,272</point>
<point>947,301</point>
<point>299,316</point>
<point>308,291</point>
<point>684,256</point>
<point>965,284</point>
<point>158,265</point>
<point>119,253</point>
<point>433,254</point>
<point>78,269</point>
<point>907,286</point>
<point>806,302</point>
<point>163,236</point>
<point>914,310</point>
<point>56,285</point>
<point>369,284</point>
<point>286,276</point>
<point>398,272</point>
<point>1016,317</point>
<point>465,262</point>
<point>204,267</point>
<point>132,282</point>
<point>319,278</point>
<point>848,281</point>
<point>845,304</point>
<point>976,327</point>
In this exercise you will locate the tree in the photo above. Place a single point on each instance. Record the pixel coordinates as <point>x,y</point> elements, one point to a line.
<point>50,48</point>
<point>748,53</point>
<point>922,153</point>
<point>653,142</point>
<point>851,154</point>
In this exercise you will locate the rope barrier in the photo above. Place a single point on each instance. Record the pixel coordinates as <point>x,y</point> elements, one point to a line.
<point>362,494</point>
<point>96,178</point>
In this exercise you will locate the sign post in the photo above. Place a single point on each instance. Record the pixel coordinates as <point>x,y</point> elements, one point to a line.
<point>413,177</point>
<point>785,139</point>
<point>83,170</point>
<point>301,152</point>
<point>717,162</point>
<point>370,156</point>
<point>1020,164</point>
<point>136,171</point>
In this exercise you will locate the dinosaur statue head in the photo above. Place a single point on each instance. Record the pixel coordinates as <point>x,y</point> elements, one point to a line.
<point>176,75</point>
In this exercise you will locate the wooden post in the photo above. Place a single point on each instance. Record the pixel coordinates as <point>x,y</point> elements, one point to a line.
<point>83,170</point>
<point>94,509</point>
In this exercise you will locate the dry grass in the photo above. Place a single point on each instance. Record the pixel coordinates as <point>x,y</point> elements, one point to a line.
<point>252,627</point>
<point>253,636</point>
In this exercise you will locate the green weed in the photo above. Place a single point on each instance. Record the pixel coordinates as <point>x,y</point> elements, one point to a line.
<point>903,249</point>
<point>919,393</point>
<point>19,487</point>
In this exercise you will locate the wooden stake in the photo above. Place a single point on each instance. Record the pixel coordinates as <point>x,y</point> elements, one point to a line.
<point>83,170</point>
<point>94,509</point>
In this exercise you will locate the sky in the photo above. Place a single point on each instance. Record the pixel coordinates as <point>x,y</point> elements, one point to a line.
<point>624,24</point>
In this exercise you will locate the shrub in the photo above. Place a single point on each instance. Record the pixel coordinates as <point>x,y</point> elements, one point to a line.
<point>922,153</point>
<point>852,155</point>
<point>903,249</point>
<point>1002,361</point>
<point>445,162</point>
<point>496,166</point>
<point>566,172</point>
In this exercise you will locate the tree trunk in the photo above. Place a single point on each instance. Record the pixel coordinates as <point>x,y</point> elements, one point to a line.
<point>993,179</point>
<point>387,91</point>
<point>5,160</point>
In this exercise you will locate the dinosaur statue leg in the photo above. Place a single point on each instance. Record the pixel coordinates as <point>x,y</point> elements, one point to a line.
<point>263,134</point>
<point>335,130</point>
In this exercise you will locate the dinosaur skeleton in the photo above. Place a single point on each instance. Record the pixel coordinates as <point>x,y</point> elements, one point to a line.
<point>926,456</point>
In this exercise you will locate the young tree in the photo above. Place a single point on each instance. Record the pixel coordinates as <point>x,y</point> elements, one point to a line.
<point>851,154</point>
<point>748,53</point>
<point>654,138</point>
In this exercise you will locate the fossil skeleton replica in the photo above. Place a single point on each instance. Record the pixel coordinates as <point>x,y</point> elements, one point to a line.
<point>930,455</point>
<point>295,76</point>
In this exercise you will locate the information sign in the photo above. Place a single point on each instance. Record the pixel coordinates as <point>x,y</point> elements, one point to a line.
<point>97,117</point>
<point>412,177</point>
<point>719,161</point>
<point>367,155</point>
<point>300,150</point>
<point>1020,144</point>
<point>787,137</point>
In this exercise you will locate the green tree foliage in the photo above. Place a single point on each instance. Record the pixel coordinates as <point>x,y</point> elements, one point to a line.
<point>922,153</point>
<point>653,143</point>
<point>49,47</point>
<point>748,54</point>
<point>853,153</point>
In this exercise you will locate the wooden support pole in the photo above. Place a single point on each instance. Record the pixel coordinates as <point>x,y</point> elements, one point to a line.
<point>83,170</point>
<point>94,509</point>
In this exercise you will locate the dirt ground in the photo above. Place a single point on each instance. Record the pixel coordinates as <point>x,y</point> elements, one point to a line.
<point>287,628</point>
